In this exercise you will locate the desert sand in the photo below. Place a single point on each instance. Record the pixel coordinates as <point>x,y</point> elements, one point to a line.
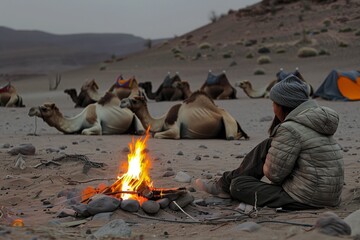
<point>24,191</point>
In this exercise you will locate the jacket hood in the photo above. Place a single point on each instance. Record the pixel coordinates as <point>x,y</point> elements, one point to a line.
<point>321,119</point>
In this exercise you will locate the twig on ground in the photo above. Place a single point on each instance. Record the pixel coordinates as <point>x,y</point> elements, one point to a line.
<point>217,227</point>
<point>74,182</point>
<point>37,194</point>
<point>184,211</point>
<point>286,222</point>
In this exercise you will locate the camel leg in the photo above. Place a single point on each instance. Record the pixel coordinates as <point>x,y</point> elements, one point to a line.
<point>225,94</point>
<point>94,130</point>
<point>139,128</point>
<point>12,101</point>
<point>172,133</point>
<point>231,126</point>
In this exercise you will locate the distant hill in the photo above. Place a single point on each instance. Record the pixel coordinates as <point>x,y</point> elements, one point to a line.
<point>40,52</point>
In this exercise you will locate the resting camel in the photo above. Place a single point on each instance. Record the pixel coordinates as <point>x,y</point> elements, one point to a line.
<point>167,91</point>
<point>123,88</point>
<point>89,91</point>
<point>255,93</point>
<point>184,86</point>
<point>218,87</point>
<point>197,118</point>
<point>88,94</point>
<point>9,97</point>
<point>265,91</point>
<point>103,117</point>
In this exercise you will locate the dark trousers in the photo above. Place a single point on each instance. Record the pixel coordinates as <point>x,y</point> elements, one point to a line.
<point>245,182</point>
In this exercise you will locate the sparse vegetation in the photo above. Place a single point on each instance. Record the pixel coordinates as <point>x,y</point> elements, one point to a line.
<point>357,33</point>
<point>343,44</point>
<point>179,56</point>
<point>204,45</point>
<point>345,30</point>
<point>305,52</point>
<point>264,50</point>
<point>228,54</point>
<point>327,23</point>
<point>175,50</point>
<point>213,17</point>
<point>323,52</point>
<point>264,60</point>
<point>259,71</point>
<point>281,50</point>
<point>249,55</point>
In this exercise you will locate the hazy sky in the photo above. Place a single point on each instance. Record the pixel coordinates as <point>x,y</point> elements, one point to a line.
<point>144,18</point>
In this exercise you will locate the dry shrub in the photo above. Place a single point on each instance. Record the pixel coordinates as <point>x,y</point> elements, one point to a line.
<point>259,71</point>
<point>204,45</point>
<point>307,52</point>
<point>264,60</point>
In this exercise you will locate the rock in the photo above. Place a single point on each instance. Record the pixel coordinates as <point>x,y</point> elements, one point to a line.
<point>20,162</point>
<point>163,202</point>
<point>353,220</point>
<point>81,210</point>
<point>101,218</point>
<point>182,177</point>
<point>180,153</point>
<point>191,189</point>
<point>266,119</point>
<point>5,145</point>
<point>51,150</point>
<point>130,205</point>
<point>203,146</point>
<point>151,207</point>
<point>247,226</point>
<point>168,174</point>
<point>117,228</point>
<point>66,212</point>
<point>198,157</point>
<point>102,203</point>
<point>330,224</point>
<point>24,149</point>
<point>73,195</point>
<point>182,201</point>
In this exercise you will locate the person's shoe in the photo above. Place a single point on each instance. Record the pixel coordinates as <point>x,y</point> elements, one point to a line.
<point>212,188</point>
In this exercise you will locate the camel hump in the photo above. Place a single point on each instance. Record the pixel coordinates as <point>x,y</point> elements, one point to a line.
<point>106,98</point>
<point>213,79</point>
<point>172,115</point>
<point>5,88</point>
<point>195,95</point>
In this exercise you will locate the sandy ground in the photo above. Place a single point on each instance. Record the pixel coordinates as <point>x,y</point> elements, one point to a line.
<point>23,191</point>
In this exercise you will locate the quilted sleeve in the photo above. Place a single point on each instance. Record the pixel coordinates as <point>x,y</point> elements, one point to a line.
<point>282,155</point>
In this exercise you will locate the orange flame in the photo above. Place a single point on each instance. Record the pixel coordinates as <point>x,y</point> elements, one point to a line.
<point>134,180</point>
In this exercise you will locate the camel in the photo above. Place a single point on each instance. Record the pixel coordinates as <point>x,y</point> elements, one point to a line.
<point>89,91</point>
<point>196,118</point>
<point>123,88</point>
<point>218,87</point>
<point>265,91</point>
<point>184,86</point>
<point>88,94</point>
<point>255,93</point>
<point>167,91</point>
<point>9,97</point>
<point>103,117</point>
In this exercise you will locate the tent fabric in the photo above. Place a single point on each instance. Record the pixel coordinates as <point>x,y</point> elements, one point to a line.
<point>341,86</point>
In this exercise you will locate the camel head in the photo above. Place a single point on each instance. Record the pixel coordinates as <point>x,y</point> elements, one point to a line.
<point>134,103</point>
<point>45,111</point>
<point>243,84</point>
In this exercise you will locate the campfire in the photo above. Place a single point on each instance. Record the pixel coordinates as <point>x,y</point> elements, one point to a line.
<point>136,182</point>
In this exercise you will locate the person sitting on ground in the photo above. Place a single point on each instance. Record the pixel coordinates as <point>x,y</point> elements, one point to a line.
<point>301,158</point>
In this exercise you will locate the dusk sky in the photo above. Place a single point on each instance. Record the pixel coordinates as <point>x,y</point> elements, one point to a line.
<point>144,18</point>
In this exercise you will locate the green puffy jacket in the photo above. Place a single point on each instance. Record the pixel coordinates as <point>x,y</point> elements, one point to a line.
<point>305,158</point>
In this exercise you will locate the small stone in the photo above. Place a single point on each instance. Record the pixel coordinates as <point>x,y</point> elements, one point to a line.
<point>198,158</point>
<point>24,149</point>
<point>151,207</point>
<point>239,156</point>
<point>182,201</point>
<point>168,174</point>
<point>163,202</point>
<point>81,210</point>
<point>126,150</point>
<point>330,224</point>
<point>130,205</point>
<point>102,203</point>
<point>208,176</point>
<point>215,156</point>
<point>117,228</point>
<point>182,177</point>
<point>247,226</point>
<point>66,212</point>
<point>354,222</point>
<point>75,143</point>
<point>206,156</point>
<point>203,146</point>
<point>5,145</point>
<point>266,119</point>
<point>51,150</point>
<point>63,147</point>
<point>180,153</point>
<point>191,189</point>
